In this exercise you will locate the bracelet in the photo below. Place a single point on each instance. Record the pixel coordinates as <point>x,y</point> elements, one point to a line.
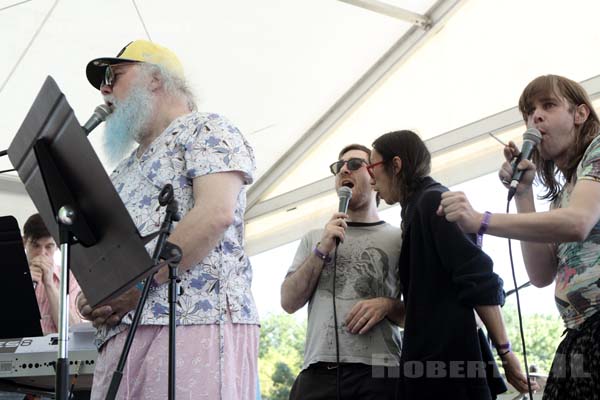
<point>318,253</point>
<point>505,346</point>
<point>485,222</point>
<point>503,354</point>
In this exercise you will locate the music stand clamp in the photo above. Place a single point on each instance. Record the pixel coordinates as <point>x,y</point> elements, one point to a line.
<point>171,254</point>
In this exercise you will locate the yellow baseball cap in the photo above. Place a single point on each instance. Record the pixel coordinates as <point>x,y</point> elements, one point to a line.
<point>136,51</point>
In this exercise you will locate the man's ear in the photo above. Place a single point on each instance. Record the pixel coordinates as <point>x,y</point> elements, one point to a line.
<point>156,81</point>
<point>582,112</point>
<point>397,163</point>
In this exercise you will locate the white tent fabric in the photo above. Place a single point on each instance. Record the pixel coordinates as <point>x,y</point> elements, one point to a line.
<point>302,78</point>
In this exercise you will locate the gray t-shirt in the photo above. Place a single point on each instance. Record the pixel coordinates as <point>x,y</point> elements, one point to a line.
<point>367,267</point>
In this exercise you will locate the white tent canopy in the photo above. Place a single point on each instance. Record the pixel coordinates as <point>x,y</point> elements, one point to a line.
<point>304,78</point>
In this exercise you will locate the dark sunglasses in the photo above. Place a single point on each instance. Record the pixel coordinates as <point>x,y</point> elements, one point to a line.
<point>353,165</point>
<point>109,73</point>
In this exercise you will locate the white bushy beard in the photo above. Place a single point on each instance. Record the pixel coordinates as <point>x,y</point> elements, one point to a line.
<point>127,123</point>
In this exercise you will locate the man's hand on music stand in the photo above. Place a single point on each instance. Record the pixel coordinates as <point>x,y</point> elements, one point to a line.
<point>110,313</point>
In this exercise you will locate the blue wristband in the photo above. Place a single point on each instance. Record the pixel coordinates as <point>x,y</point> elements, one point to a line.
<point>485,222</point>
<point>503,349</point>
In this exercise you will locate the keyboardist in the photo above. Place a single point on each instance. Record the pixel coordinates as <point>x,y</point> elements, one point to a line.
<point>40,248</point>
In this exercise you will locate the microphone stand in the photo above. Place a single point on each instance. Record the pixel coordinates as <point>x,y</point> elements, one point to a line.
<point>66,216</point>
<point>172,254</point>
<point>523,286</point>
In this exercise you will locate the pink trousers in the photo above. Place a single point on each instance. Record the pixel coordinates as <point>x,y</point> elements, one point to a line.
<point>208,367</point>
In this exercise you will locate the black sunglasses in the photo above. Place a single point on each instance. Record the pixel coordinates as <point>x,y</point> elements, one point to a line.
<point>353,165</point>
<point>109,74</point>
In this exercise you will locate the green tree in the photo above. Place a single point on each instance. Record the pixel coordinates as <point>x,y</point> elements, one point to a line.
<point>280,354</point>
<point>283,379</point>
<point>282,347</point>
<point>542,336</point>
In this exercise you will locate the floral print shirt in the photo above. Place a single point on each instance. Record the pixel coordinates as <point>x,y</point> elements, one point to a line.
<point>577,291</point>
<point>193,145</point>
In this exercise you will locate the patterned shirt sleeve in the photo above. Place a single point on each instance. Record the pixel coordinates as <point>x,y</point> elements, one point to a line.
<point>215,145</point>
<point>589,167</point>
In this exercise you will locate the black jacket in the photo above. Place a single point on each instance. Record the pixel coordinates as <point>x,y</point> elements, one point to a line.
<point>444,275</point>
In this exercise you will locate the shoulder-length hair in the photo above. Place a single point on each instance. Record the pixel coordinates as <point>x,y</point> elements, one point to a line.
<point>554,86</point>
<point>416,161</point>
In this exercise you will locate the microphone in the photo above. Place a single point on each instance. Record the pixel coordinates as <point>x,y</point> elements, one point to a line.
<point>531,138</point>
<point>99,116</point>
<point>345,194</point>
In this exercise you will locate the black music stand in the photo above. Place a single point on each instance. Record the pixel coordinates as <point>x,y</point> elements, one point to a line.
<point>80,207</point>
<point>21,315</point>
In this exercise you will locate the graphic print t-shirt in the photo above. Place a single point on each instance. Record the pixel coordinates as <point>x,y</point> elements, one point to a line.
<point>367,267</point>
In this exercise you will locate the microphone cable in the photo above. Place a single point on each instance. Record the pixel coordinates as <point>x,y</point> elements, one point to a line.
<point>338,378</point>
<point>516,291</point>
<point>2,154</point>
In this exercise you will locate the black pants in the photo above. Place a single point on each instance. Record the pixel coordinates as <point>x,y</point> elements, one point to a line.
<point>358,382</point>
<point>575,372</point>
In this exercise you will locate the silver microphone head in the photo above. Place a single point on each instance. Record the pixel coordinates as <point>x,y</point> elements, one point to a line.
<point>102,111</point>
<point>534,135</point>
<point>99,115</point>
<point>344,192</point>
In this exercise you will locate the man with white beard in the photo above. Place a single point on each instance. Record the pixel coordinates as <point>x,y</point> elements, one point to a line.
<point>208,162</point>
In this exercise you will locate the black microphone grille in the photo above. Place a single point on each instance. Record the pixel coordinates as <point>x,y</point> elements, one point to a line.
<point>534,135</point>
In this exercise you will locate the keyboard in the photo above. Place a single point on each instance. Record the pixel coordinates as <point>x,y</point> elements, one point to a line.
<point>30,362</point>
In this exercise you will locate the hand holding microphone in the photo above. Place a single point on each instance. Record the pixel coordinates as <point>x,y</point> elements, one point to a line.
<point>455,206</point>
<point>345,194</point>
<point>518,167</point>
<point>335,229</point>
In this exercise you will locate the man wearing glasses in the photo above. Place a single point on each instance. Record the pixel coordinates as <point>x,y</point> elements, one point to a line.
<point>368,308</point>
<point>158,137</point>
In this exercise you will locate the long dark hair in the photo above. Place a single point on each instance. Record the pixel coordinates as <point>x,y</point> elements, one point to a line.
<point>554,86</point>
<point>416,161</point>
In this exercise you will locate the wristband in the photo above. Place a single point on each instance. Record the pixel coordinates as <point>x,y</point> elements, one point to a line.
<point>503,349</point>
<point>318,253</point>
<point>485,222</point>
